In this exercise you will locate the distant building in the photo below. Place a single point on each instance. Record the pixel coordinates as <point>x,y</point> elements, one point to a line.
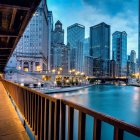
<point>61,58</point>
<point>50,30</point>
<point>128,66</point>
<point>119,51</point>
<point>58,34</point>
<point>100,48</point>
<point>86,47</point>
<point>88,63</point>
<point>59,51</point>
<point>113,68</point>
<point>132,65</point>
<point>75,39</point>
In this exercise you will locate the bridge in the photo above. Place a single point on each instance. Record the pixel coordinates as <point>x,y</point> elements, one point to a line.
<point>109,79</point>
<point>45,116</point>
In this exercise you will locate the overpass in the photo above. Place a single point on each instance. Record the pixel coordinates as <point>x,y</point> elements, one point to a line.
<point>45,116</point>
<point>109,79</point>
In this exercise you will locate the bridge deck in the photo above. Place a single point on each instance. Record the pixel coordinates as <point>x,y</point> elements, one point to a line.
<point>11,127</point>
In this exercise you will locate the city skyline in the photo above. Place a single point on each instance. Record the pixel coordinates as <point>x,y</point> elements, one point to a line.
<point>123,12</point>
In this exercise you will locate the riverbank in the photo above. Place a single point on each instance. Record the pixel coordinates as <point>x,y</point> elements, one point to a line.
<point>59,89</point>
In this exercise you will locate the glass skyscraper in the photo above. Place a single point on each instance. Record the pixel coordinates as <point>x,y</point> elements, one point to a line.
<point>100,48</point>
<point>75,39</point>
<point>119,52</point>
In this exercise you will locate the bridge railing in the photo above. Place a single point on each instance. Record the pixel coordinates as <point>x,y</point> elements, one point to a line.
<point>47,116</point>
<point>119,126</point>
<point>41,112</point>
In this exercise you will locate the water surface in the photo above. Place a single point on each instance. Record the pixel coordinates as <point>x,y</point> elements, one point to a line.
<point>121,102</point>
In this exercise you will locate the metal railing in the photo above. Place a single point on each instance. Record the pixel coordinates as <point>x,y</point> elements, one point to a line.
<point>41,112</point>
<point>47,116</point>
<point>119,126</point>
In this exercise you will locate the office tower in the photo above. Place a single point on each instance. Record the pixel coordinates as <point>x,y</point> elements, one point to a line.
<point>31,51</point>
<point>50,30</point>
<point>119,51</point>
<point>86,47</point>
<point>100,48</point>
<point>133,61</point>
<point>113,68</point>
<point>58,34</point>
<point>88,65</point>
<point>75,39</point>
<point>59,51</point>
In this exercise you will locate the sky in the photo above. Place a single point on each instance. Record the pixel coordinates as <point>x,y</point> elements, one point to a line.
<point>122,15</point>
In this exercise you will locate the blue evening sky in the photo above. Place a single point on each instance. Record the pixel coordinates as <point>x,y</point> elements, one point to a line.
<point>122,15</point>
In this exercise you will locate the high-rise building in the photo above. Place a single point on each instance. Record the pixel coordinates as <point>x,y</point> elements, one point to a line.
<point>119,51</point>
<point>75,39</point>
<point>88,63</point>
<point>58,34</point>
<point>31,51</point>
<point>59,51</point>
<point>100,48</point>
<point>113,68</point>
<point>133,62</point>
<point>86,47</point>
<point>50,30</point>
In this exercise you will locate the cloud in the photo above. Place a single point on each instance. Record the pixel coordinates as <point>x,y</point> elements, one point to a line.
<point>122,15</point>
<point>112,7</point>
<point>122,21</point>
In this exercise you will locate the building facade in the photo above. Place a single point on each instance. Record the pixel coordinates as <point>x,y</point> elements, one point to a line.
<point>100,48</point>
<point>50,30</point>
<point>119,52</point>
<point>132,62</point>
<point>59,51</point>
<point>113,68</point>
<point>88,63</point>
<point>32,50</point>
<point>75,39</point>
<point>58,34</point>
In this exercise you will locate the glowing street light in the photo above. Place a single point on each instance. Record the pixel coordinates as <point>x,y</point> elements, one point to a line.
<point>53,70</point>
<point>60,69</point>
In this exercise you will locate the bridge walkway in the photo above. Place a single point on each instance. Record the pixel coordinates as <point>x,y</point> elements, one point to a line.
<point>11,128</point>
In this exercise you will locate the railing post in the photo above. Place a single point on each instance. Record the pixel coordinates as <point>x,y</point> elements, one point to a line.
<point>63,120</point>
<point>46,120</point>
<point>51,121</point>
<point>81,126</point>
<point>97,129</point>
<point>57,120</point>
<point>70,123</point>
<point>118,134</point>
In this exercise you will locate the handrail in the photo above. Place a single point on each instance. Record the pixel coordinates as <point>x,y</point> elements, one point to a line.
<point>41,112</point>
<point>46,115</point>
<point>119,126</point>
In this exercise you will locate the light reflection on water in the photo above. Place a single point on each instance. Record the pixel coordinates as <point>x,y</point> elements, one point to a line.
<point>121,102</point>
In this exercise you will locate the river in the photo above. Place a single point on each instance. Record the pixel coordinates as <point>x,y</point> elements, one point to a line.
<point>121,102</point>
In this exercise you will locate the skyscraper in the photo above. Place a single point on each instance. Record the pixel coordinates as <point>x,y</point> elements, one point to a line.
<point>50,30</point>
<point>58,34</point>
<point>100,48</point>
<point>59,51</point>
<point>31,51</point>
<point>75,39</point>
<point>119,51</point>
<point>133,61</point>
